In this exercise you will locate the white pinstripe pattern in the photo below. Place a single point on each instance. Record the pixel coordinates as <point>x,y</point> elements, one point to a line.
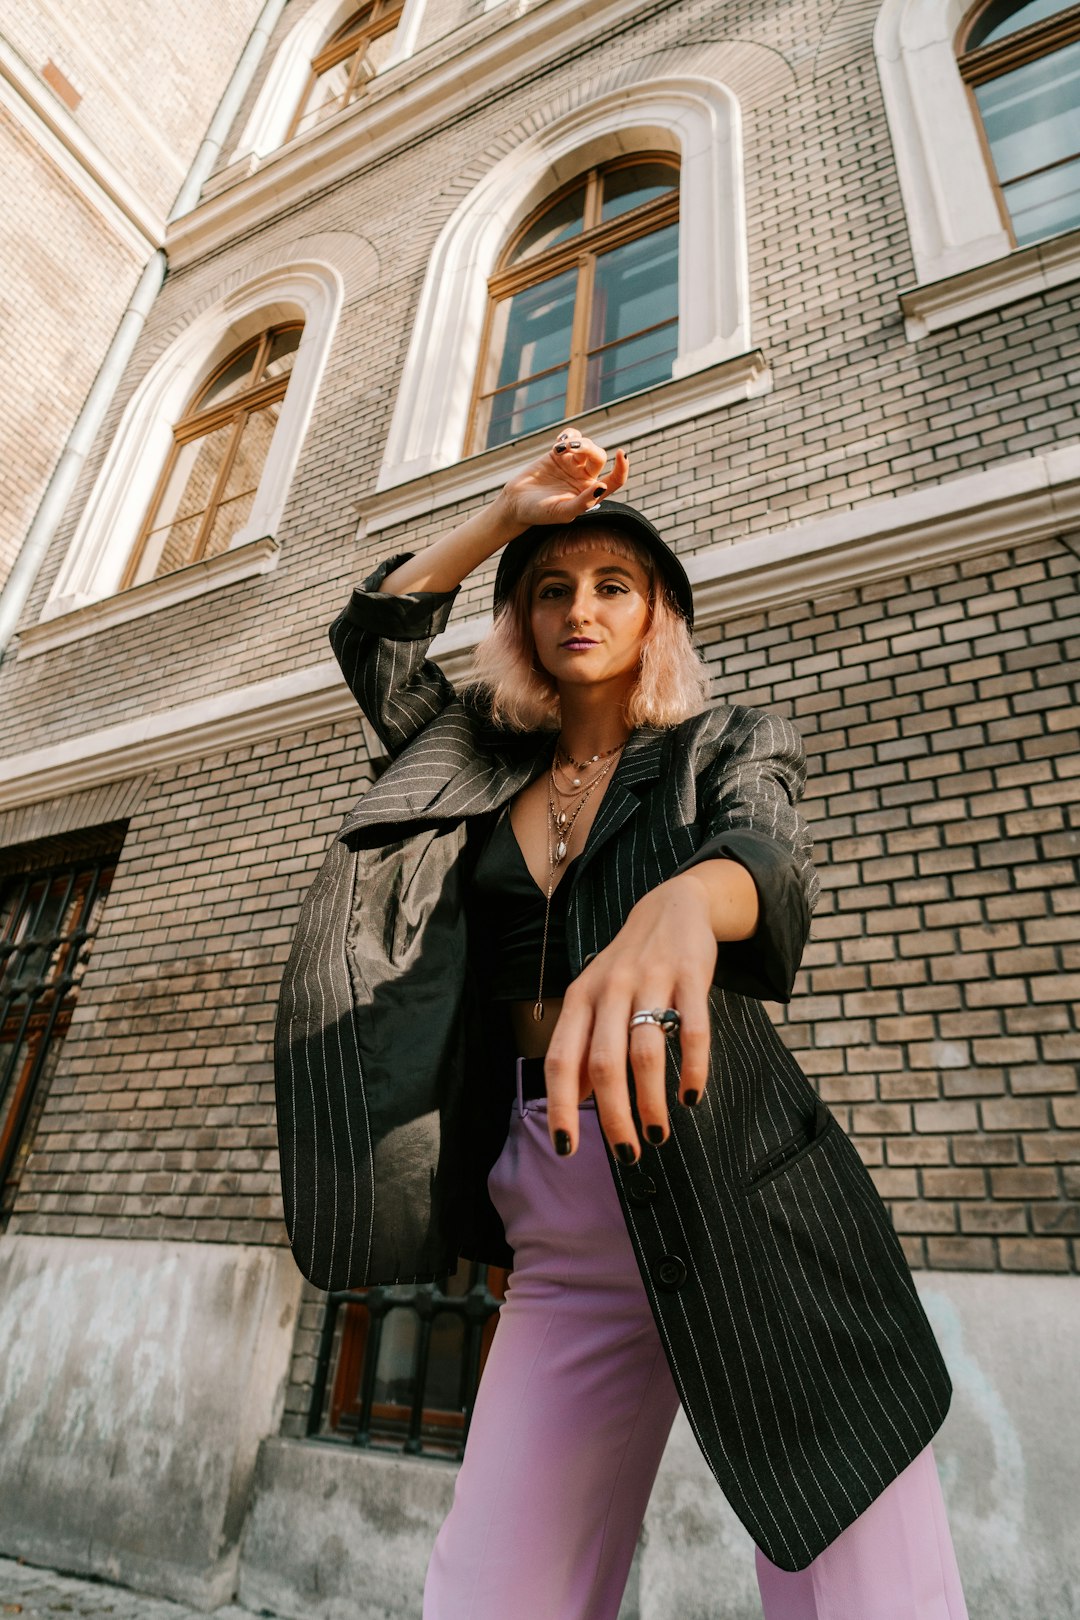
<point>801,1352</point>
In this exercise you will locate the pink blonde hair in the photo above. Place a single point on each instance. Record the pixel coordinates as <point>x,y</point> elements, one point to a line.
<point>673,682</point>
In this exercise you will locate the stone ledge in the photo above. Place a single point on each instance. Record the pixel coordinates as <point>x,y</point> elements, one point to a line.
<point>1028,270</point>
<point>88,619</point>
<point>743,376</point>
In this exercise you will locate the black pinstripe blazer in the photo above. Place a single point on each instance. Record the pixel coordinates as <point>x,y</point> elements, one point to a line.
<point>805,1362</point>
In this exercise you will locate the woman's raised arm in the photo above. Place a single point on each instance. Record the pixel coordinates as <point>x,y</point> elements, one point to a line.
<point>564,482</point>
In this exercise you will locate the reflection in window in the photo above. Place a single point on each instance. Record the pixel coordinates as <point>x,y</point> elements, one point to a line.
<point>352,56</point>
<point>584,304</point>
<point>1022,64</point>
<point>207,490</point>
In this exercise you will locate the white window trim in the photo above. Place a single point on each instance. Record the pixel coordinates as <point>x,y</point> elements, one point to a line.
<point>696,118</point>
<point>952,210</point>
<point>277,101</point>
<point>965,261</point>
<point>311,291</point>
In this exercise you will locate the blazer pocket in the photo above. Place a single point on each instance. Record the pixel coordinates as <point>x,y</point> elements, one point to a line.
<point>789,1152</point>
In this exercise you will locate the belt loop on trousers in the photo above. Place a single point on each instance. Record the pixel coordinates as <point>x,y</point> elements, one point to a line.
<point>520,1097</point>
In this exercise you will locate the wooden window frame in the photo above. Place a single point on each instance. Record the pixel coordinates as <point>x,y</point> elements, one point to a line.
<point>581,252</point>
<point>1003,56</point>
<point>197,424</point>
<point>383,15</point>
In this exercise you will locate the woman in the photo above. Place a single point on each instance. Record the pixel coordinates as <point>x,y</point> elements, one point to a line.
<point>523,1022</point>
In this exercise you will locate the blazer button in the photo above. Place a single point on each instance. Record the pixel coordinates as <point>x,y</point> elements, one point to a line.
<point>670,1273</point>
<point>641,1190</point>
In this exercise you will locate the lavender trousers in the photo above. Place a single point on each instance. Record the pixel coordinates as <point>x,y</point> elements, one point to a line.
<point>572,1416</point>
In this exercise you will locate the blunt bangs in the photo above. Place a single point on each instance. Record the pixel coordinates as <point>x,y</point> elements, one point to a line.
<point>673,682</point>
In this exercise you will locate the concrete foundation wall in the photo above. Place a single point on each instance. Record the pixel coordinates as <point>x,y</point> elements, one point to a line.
<point>336,1534</point>
<point>136,1382</point>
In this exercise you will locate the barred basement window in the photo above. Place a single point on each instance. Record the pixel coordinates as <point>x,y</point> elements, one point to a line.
<point>206,490</point>
<point>1021,63</point>
<point>352,56</point>
<point>51,897</point>
<point>398,1367</point>
<point>584,305</point>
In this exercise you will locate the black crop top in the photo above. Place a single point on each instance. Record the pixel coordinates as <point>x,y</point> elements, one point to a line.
<point>508,906</point>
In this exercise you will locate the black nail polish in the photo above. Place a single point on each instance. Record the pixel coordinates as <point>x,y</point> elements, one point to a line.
<point>624,1152</point>
<point>690,1098</point>
<point>560,449</point>
<point>655,1133</point>
<point>562,1143</point>
<point>597,493</point>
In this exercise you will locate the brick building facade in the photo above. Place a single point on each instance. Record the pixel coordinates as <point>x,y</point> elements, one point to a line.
<point>867,456</point>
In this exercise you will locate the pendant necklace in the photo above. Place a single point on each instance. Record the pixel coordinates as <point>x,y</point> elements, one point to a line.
<point>560,827</point>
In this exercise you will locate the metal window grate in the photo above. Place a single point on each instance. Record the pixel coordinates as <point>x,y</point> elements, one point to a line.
<point>48,916</point>
<point>399,1367</point>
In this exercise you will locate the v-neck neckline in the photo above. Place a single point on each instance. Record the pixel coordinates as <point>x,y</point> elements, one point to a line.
<point>521,857</point>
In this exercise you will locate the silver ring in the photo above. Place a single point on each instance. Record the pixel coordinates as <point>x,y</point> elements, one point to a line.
<point>665,1018</point>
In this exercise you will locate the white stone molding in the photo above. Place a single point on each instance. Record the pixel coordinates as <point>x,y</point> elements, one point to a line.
<point>285,82</point>
<point>208,574</point>
<point>1027,271</point>
<point>311,291</point>
<point>1031,499</point>
<point>399,108</point>
<point>698,120</point>
<point>622,422</point>
<point>952,210</point>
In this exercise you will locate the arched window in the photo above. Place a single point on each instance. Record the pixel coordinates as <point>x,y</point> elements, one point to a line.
<point>1021,62</point>
<point>354,54</point>
<point>584,303</point>
<point>208,484</point>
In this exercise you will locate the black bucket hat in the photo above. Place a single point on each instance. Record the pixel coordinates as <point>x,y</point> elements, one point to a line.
<point>608,515</point>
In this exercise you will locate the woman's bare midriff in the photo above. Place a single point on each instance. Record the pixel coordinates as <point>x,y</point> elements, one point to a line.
<point>531,1038</point>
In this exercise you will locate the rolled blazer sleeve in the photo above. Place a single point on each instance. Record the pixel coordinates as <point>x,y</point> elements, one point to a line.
<point>746,809</point>
<point>381,643</point>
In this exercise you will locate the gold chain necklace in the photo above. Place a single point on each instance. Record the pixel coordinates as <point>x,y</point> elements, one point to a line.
<point>560,827</point>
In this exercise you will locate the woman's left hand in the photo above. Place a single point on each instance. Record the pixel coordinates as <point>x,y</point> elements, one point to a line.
<point>664,955</point>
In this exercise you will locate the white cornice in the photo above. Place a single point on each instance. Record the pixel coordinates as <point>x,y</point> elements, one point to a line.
<point>1033,499</point>
<point>400,105</point>
<point>52,128</point>
<point>1027,270</point>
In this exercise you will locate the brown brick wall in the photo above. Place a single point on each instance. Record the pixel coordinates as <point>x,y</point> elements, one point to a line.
<point>160,1118</point>
<point>148,75</point>
<point>66,279</point>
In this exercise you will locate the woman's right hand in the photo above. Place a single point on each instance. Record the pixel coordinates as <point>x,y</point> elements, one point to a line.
<point>562,484</point>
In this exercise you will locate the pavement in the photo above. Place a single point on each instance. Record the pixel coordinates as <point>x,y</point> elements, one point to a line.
<point>44,1594</point>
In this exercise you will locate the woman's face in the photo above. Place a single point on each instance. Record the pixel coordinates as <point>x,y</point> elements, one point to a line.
<point>589,613</point>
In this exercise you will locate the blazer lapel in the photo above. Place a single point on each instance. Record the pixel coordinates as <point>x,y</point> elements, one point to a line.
<point>638,768</point>
<point>457,768</point>
<point>465,769</point>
